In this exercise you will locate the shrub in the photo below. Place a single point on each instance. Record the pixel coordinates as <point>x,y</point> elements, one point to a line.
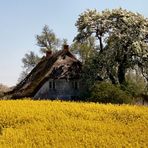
<point>1,94</point>
<point>108,93</point>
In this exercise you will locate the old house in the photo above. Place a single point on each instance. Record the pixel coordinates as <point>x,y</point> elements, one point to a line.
<point>57,75</point>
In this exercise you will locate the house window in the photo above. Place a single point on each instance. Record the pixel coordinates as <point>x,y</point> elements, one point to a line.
<point>52,85</point>
<point>75,85</point>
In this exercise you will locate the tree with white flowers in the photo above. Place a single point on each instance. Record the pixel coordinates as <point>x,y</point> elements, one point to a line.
<point>122,38</point>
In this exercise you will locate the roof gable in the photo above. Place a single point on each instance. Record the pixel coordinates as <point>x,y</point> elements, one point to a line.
<point>62,64</point>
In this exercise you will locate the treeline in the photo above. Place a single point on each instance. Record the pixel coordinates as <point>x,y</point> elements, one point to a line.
<point>3,89</point>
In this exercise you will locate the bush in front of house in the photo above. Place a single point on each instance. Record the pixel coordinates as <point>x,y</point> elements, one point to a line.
<point>105,92</point>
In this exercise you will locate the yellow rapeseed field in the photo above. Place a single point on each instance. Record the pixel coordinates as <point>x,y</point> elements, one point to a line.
<point>56,124</point>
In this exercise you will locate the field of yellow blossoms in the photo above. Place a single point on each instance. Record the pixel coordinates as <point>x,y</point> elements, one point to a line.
<point>56,124</point>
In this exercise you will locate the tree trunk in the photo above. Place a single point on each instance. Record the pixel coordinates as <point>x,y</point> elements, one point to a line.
<point>101,44</point>
<point>121,73</point>
<point>113,80</point>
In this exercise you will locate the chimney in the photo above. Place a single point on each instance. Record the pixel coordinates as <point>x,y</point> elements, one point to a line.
<point>48,53</point>
<point>66,47</point>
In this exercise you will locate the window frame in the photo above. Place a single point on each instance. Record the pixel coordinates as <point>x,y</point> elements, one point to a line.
<point>52,85</point>
<point>75,85</point>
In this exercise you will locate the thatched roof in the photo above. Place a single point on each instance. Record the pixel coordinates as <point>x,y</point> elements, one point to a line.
<point>59,65</point>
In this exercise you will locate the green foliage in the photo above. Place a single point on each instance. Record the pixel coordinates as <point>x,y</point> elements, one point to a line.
<point>30,60</point>
<point>47,41</point>
<point>1,94</point>
<point>85,50</point>
<point>122,40</point>
<point>90,69</point>
<point>108,93</point>
<point>135,84</point>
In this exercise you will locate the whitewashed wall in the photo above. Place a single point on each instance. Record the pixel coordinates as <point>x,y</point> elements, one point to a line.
<point>64,89</point>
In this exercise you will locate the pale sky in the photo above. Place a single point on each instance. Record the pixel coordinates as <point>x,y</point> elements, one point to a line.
<point>21,20</point>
